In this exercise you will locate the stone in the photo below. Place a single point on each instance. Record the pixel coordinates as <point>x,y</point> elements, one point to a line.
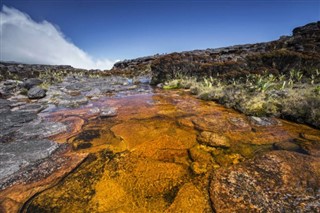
<point>213,139</point>
<point>263,121</point>
<point>71,101</point>
<point>286,145</point>
<point>189,199</point>
<point>10,122</point>
<point>31,82</point>
<point>199,168</point>
<point>200,155</point>
<point>160,85</point>
<point>42,130</point>
<point>77,88</point>
<point>239,122</point>
<point>4,105</point>
<point>108,112</point>
<point>310,147</point>
<point>36,93</point>
<point>94,92</point>
<point>279,181</point>
<point>19,154</point>
<point>36,108</point>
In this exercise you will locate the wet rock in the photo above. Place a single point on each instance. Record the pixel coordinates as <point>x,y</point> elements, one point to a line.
<point>200,155</point>
<point>310,137</point>
<point>279,181</point>
<point>155,178</point>
<point>19,154</point>
<point>239,122</point>
<point>224,160</point>
<point>189,199</point>
<point>199,168</point>
<point>210,123</point>
<point>36,93</point>
<point>108,112</point>
<point>42,130</point>
<point>213,139</point>
<point>286,145</point>
<point>31,82</point>
<point>263,121</point>
<point>310,147</point>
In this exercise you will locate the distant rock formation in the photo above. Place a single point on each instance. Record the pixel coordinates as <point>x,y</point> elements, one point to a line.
<point>299,51</point>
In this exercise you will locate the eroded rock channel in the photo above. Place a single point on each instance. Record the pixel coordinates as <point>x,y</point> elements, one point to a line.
<point>112,145</point>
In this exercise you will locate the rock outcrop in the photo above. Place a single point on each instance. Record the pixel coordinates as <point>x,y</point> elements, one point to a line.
<point>299,51</point>
<point>279,181</point>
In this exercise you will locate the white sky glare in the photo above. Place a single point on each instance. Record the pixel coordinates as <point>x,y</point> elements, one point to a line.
<point>26,41</point>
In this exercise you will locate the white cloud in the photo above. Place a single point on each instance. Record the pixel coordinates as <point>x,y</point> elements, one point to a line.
<point>26,41</point>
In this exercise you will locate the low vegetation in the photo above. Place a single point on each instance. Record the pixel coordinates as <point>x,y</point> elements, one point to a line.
<point>292,96</point>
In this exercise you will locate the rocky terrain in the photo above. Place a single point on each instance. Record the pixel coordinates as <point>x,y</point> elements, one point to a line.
<point>299,51</point>
<point>75,140</point>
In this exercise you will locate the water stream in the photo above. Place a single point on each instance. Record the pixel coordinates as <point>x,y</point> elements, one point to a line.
<point>157,154</point>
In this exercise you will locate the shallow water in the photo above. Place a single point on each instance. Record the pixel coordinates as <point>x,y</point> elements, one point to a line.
<point>150,157</point>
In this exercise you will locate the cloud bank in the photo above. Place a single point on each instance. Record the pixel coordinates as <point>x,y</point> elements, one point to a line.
<point>26,41</point>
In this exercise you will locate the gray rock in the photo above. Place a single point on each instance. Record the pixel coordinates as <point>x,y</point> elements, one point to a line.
<point>71,101</point>
<point>94,92</point>
<point>160,85</point>
<point>108,112</point>
<point>31,82</point>
<point>263,121</point>
<point>16,155</point>
<point>36,108</point>
<point>36,93</point>
<point>42,130</point>
<point>10,122</point>
<point>4,106</point>
<point>76,88</point>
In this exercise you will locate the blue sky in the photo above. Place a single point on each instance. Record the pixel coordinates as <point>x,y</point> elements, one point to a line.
<point>128,29</point>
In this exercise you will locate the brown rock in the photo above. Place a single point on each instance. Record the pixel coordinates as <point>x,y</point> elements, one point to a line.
<point>213,139</point>
<point>189,199</point>
<point>279,181</point>
<point>286,145</point>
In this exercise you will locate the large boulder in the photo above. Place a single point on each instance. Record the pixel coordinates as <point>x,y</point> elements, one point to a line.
<point>31,82</point>
<point>36,93</point>
<point>279,181</point>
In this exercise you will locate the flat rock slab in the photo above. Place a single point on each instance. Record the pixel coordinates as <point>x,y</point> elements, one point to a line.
<point>4,105</point>
<point>36,108</point>
<point>42,130</point>
<point>279,181</point>
<point>108,112</point>
<point>16,155</point>
<point>213,139</point>
<point>263,121</point>
<point>71,101</point>
<point>11,121</point>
